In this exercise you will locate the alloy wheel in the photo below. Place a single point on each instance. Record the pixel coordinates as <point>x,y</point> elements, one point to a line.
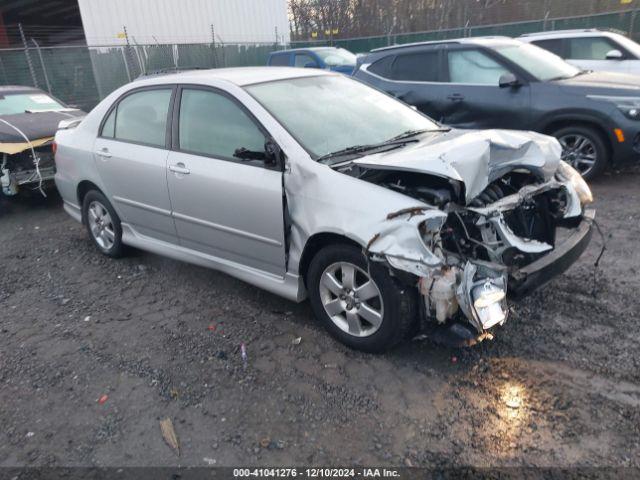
<point>101,225</point>
<point>351,299</point>
<point>579,152</point>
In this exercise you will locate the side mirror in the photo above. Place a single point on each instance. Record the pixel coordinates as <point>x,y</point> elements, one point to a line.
<point>273,155</point>
<point>614,55</point>
<point>508,80</point>
<point>311,65</point>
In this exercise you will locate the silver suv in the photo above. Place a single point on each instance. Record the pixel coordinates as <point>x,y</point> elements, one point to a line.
<point>306,182</point>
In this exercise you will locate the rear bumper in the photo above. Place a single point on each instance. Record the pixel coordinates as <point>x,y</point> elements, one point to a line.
<point>536,274</point>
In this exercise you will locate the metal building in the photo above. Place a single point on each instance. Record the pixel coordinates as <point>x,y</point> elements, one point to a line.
<point>115,22</point>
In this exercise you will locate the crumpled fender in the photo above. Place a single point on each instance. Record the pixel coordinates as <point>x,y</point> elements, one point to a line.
<point>322,200</point>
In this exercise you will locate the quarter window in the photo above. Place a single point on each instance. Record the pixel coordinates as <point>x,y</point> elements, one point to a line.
<point>474,67</point>
<point>381,67</point>
<point>212,124</point>
<point>590,48</point>
<point>416,67</point>
<point>140,117</point>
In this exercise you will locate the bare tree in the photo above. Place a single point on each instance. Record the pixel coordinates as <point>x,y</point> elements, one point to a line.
<point>355,18</point>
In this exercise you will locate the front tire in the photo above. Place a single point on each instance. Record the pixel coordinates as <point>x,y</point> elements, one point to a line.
<point>366,310</point>
<point>103,224</point>
<point>584,149</point>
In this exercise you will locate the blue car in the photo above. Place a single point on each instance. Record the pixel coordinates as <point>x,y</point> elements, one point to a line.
<point>328,58</point>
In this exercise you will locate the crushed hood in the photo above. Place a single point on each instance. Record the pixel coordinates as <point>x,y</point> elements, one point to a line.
<point>473,157</point>
<point>34,125</point>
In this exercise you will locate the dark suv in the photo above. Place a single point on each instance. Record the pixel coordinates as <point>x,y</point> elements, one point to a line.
<point>499,82</point>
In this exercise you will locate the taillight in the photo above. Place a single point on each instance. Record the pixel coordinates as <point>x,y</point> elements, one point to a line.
<point>54,147</point>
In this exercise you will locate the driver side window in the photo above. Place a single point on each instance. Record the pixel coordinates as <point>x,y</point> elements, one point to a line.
<point>474,67</point>
<point>212,124</point>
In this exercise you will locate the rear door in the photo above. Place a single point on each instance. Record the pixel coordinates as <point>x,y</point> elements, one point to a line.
<point>131,157</point>
<point>474,98</point>
<point>223,206</point>
<point>415,77</point>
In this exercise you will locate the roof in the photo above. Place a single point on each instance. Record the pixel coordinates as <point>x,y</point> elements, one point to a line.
<point>312,49</point>
<point>239,76</point>
<point>8,89</point>
<point>568,33</point>
<point>494,40</point>
<point>560,32</point>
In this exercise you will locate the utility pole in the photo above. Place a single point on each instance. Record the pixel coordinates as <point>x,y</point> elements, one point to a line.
<point>213,44</point>
<point>32,71</point>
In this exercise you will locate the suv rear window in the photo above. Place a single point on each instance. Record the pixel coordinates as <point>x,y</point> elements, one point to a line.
<point>416,67</point>
<point>281,60</point>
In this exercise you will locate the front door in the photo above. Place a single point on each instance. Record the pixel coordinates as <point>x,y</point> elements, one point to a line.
<point>131,158</point>
<point>590,53</point>
<point>222,205</point>
<point>474,98</point>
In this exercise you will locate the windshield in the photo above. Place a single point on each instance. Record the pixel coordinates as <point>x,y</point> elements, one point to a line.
<point>337,57</point>
<point>329,113</point>
<point>22,102</point>
<point>539,62</point>
<point>627,43</point>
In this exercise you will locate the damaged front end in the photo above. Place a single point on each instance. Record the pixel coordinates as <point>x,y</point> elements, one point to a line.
<point>464,253</point>
<point>31,168</point>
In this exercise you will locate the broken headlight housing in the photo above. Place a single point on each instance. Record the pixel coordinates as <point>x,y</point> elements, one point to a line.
<point>567,173</point>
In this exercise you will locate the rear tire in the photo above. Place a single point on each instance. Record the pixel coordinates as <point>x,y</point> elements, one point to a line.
<point>581,145</point>
<point>370,310</point>
<point>103,224</point>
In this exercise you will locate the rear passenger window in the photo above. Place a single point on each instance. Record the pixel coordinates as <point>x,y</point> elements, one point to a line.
<point>416,67</point>
<point>109,126</point>
<point>554,45</point>
<point>140,117</point>
<point>279,61</point>
<point>302,60</point>
<point>474,67</point>
<point>590,48</point>
<point>212,124</point>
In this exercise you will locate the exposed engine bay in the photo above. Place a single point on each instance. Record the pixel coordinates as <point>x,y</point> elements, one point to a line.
<point>479,246</point>
<point>31,167</point>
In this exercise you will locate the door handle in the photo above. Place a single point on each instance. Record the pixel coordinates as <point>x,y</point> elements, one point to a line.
<point>456,97</point>
<point>103,152</point>
<point>179,168</point>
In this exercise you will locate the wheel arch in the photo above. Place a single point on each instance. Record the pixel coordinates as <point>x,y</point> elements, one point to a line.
<point>557,123</point>
<point>84,187</point>
<point>317,242</point>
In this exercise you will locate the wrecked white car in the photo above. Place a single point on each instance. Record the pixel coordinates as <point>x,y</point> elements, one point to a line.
<point>29,119</point>
<point>308,183</point>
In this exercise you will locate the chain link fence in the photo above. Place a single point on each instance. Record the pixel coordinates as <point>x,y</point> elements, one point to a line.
<point>82,76</point>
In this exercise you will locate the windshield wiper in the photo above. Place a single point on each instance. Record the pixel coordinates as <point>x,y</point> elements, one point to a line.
<point>398,140</point>
<point>355,149</point>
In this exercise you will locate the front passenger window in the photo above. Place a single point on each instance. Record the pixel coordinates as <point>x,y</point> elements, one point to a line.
<point>212,124</point>
<point>590,48</point>
<point>474,67</point>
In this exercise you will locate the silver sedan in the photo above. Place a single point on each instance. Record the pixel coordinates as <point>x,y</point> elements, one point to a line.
<point>310,184</point>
